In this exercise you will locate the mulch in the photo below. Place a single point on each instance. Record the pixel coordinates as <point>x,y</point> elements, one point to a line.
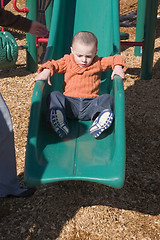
<point>85,210</point>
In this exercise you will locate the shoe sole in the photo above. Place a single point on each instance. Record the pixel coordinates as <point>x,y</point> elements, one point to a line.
<point>57,119</point>
<point>102,122</point>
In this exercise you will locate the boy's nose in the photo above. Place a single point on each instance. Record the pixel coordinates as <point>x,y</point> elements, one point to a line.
<point>84,59</point>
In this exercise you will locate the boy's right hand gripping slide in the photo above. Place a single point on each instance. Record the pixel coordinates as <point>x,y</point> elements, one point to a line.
<point>44,75</point>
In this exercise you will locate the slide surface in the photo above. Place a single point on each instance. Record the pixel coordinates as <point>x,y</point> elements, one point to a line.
<point>79,156</point>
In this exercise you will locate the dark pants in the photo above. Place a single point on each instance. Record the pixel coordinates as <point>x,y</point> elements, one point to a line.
<point>79,108</point>
<point>9,184</point>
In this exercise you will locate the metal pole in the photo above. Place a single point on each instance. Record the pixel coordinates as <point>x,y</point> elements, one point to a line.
<point>31,39</point>
<point>116,32</point>
<point>48,14</point>
<point>2,6</point>
<point>149,39</point>
<point>140,25</point>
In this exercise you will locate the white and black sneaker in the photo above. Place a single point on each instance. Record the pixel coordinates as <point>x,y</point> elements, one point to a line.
<point>58,122</point>
<point>101,123</point>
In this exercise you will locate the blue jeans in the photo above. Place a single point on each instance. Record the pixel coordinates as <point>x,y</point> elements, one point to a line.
<point>79,108</point>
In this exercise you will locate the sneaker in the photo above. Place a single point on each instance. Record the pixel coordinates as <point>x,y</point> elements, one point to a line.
<point>58,122</point>
<point>101,123</point>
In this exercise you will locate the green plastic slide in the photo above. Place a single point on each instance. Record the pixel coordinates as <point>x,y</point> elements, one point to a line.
<point>79,156</point>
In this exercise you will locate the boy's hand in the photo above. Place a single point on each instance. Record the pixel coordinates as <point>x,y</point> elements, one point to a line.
<point>44,75</point>
<point>118,70</point>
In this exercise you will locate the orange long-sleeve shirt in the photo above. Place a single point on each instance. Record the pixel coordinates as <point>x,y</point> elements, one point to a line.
<point>82,82</point>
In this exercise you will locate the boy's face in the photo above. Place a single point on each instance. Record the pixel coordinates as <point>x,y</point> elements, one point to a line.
<point>83,54</point>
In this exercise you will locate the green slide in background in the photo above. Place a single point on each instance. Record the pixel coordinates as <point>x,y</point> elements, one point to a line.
<point>79,156</point>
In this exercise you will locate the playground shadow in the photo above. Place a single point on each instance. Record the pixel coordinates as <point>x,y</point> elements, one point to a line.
<point>18,35</point>
<point>57,203</point>
<point>19,70</point>
<point>158,28</point>
<point>135,71</point>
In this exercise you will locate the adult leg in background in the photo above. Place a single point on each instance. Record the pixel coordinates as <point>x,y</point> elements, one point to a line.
<point>9,184</point>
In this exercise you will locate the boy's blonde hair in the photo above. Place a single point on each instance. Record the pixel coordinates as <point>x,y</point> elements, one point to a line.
<point>85,37</point>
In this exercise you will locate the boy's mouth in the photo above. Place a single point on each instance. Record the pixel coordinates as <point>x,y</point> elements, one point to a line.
<point>83,65</point>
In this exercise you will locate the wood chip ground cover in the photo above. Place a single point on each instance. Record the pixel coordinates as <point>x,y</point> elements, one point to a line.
<point>83,210</point>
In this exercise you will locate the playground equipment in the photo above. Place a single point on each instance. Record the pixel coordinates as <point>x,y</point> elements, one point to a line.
<point>79,156</point>
<point>145,32</point>
<point>8,45</point>
<point>45,13</point>
<point>149,38</point>
<point>9,50</point>
<point>144,42</point>
<point>145,35</point>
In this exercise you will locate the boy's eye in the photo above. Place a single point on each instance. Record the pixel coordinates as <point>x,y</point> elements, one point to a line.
<point>85,56</point>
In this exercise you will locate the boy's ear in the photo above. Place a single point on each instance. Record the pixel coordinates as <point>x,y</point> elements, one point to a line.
<point>71,49</point>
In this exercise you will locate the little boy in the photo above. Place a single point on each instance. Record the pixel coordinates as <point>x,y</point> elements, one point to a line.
<point>82,77</point>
